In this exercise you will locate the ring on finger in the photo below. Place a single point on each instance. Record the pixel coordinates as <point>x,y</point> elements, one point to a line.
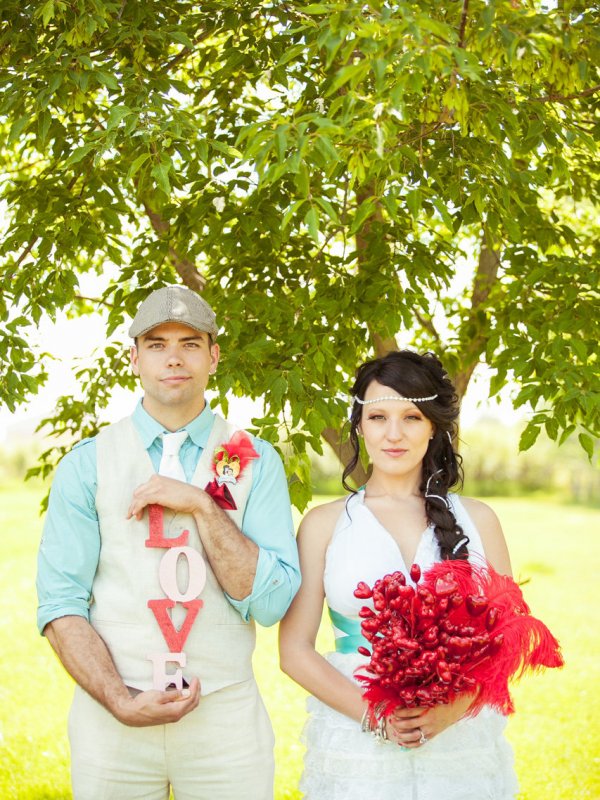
<point>423,738</point>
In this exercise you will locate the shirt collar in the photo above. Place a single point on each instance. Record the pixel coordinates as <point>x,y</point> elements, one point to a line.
<point>150,429</point>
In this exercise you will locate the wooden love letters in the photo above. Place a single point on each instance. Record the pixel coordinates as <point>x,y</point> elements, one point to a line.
<point>175,548</point>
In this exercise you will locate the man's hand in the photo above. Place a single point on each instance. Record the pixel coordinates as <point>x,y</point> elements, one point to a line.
<point>158,708</point>
<point>170,493</point>
<point>232,556</point>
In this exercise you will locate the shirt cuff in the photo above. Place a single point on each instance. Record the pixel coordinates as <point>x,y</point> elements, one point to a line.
<point>47,614</point>
<point>268,578</point>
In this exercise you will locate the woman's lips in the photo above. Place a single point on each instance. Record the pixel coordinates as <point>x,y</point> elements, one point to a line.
<point>395,451</point>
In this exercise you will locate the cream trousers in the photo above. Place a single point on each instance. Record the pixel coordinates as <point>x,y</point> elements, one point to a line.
<point>223,750</point>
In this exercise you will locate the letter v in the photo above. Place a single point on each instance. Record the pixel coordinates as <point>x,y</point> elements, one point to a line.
<point>174,638</point>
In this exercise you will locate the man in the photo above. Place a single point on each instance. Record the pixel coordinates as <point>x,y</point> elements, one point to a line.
<point>148,585</point>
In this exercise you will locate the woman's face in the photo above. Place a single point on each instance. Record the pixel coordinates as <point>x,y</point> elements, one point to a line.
<point>396,432</point>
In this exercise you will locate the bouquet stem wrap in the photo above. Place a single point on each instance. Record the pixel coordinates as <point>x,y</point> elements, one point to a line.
<point>463,629</point>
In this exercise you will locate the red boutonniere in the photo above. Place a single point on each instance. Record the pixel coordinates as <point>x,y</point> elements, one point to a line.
<point>229,462</point>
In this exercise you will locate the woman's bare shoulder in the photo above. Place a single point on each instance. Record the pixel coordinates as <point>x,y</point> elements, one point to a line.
<point>326,511</point>
<point>490,530</point>
<point>482,515</point>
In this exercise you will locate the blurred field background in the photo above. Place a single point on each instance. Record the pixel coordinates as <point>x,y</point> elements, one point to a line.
<point>553,542</point>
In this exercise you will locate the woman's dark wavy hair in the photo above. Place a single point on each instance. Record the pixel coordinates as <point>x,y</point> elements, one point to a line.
<point>415,375</point>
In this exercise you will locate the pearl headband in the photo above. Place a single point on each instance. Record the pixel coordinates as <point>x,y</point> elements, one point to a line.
<point>395,397</point>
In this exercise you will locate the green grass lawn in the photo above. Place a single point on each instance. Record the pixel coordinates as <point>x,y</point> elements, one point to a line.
<point>554,732</point>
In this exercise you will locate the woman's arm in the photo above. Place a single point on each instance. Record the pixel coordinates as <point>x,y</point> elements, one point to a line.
<point>298,629</point>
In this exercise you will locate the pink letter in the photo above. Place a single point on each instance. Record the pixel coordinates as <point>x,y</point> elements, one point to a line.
<point>161,678</point>
<point>167,573</point>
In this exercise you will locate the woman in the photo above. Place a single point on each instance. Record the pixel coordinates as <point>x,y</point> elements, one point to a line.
<point>405,410</point>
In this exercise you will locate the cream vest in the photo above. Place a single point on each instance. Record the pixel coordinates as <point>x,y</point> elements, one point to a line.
<point>220,644</point>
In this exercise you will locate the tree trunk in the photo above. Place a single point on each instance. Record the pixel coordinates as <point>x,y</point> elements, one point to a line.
<point>343,450</point>
<point>485,278</point>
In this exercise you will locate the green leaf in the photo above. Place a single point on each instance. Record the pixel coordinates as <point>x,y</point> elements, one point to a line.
<point>108,80</point>
<point>17,128</point>
<point>364,211</point>
<point>47,12</point>
<point>586,441</point>
<point>137,164</point>
<point>328,209</point>
<point>161,173</point>
<point>116,114</point>
<point>287,217</point>
<point>303,180</point>
<point>312,222</point>
<point>78,154</point>
<point>222,147</point>
<point>529,436</point>
<point>291,54</point>
<point>182,38</point>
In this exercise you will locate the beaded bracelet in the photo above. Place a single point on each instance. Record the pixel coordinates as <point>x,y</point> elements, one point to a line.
<point>378,731</point>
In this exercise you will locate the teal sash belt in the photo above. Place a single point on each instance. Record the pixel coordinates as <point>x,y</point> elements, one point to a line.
<point>352,638</point>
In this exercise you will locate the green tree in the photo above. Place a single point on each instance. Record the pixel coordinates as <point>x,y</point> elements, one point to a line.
<point>327,175</point>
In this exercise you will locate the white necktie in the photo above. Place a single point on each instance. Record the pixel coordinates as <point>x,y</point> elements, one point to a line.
<point>170,465</point>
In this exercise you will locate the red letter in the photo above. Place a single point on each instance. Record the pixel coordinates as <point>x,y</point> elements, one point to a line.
<point>175,639</point>
<point>156,530</point>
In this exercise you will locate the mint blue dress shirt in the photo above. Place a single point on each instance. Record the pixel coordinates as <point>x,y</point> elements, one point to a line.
<point>70,547</point>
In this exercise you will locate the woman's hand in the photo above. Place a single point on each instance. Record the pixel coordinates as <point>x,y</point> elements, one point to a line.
<point>414,727</point>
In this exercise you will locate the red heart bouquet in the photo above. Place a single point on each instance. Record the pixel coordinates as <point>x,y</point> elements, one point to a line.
<point>463,628</point>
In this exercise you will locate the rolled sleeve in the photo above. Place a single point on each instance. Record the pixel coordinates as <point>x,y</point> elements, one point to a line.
<point>268,522</point>
<point>70,546</point>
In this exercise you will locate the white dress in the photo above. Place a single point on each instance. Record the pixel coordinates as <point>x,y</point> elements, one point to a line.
<point>471,760</point>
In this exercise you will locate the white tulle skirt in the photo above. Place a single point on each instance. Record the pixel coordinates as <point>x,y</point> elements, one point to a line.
<point>471,760</point>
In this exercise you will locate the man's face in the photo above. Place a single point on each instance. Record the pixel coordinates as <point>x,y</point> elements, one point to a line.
<point>173,362</point>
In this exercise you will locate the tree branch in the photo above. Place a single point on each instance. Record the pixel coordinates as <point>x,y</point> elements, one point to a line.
<point>97,301</point>
<point>463,24</point>
<point>184,266</point>
<point>27,250</point>
<point>552,97</point>
<point>428,325</point>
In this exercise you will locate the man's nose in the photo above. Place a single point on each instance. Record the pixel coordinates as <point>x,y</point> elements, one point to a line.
<point>173,356</point>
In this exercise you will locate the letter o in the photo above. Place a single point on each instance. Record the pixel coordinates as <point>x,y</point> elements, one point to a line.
<point>167,574</point>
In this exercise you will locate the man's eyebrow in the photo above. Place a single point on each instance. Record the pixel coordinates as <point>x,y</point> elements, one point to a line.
<point>157,338</point>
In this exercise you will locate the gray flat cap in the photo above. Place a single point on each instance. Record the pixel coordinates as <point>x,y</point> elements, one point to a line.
<point>174,304</point>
